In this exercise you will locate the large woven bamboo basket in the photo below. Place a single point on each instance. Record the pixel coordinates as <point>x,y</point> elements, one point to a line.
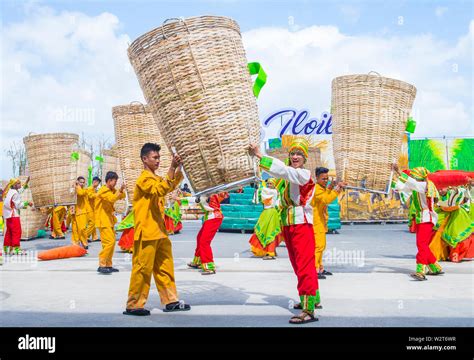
<point>313,161</point>
<point>112,163</point>
<point>135,126</point>
<point>194,76</point>
<point>31,219</point>
<point>369,114</point>
<point>83,164</point>
<point>52,168</point>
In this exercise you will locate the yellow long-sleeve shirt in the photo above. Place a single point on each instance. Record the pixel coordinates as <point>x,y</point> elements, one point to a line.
<point>321,200</point>
<point>148,204</point>
<point>104,206</point>
<point>91,195</point>
<point>83,205</point>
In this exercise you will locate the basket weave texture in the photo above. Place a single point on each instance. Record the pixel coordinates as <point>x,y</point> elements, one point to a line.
<point>52,169</point>
<point>194,76</point>
<point>134,126</point>
<point>369,114</point>
<point>112,163</point>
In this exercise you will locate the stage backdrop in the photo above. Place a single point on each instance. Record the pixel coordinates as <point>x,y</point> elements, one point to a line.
<point>442,153</point>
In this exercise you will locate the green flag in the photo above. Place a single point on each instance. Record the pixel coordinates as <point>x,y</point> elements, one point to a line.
<point>256,69</point>
<point>411,125</point>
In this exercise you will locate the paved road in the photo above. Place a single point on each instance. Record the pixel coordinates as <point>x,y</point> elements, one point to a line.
<point>370,286</point>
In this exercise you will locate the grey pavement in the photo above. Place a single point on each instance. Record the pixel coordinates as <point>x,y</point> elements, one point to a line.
<point>370,286</point>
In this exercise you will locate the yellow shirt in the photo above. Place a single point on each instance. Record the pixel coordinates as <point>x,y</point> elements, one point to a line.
<point>83,205</point>
<point>104,206</point>
<point>60,209</point>
<point>148,204</point>
<point>92,195</point>
<point>321,199</point>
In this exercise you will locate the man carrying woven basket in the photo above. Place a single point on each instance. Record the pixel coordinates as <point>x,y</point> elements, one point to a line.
<point>92,195</point>
<point>296,192</point>
<point>415,184</point>
<point>324,195</point>
<point>152,253</point>
<point>105,220</point>
<point>83,212</point>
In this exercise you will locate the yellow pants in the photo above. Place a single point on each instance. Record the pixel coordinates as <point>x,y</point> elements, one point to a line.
<point>91,230</point>
<point>57,217</point>
<point>107,239</point>
<point>320,239</point>
<point>151,257</point>
<point>438,246</point>
<point>82,228</point>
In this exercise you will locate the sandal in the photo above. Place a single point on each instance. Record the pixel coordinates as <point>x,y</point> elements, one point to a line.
<point>193,265</point>
<point>418,276</point>
<point>303,318</point>
<point>326,273</point>
<point>299,307</point>
<point>269,257</point>
<point>208,272</point>
<point>18,252</point>
<point>137,312</point>
<point>176,306</point>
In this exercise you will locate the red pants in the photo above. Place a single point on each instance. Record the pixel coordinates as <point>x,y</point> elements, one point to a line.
<point>204,238</point>
<point>13,233</point>
<point>424,234</point>
<point>300,244</point>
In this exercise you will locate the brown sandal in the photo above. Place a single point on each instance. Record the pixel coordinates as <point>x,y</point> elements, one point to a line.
<point>303,318</point>
<point>418,276</point>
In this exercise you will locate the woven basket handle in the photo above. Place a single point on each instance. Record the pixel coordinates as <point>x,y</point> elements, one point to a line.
<point>172,19</point>
<point>138,103</point>
<point>181,20</point>
<point>374,73</point>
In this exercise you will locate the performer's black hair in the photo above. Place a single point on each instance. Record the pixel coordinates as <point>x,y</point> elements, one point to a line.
<point>111,175</point>
<point>321,170</point>
<point>149,147</point>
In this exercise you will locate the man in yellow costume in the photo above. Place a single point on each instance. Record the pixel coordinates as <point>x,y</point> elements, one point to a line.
<point>152,253</point>
<point>92,194</point>
<point>58,213</point>
<point>324,194</point>
<point>105,220</point>
<point>82,214</point>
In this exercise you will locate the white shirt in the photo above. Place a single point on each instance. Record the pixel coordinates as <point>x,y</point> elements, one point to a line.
<point>269,198</point>
<point>295,198</point>
<point>12,203</point>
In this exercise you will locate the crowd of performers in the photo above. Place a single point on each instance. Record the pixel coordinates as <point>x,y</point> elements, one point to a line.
<point>443,219</point>
<point>295,210</point>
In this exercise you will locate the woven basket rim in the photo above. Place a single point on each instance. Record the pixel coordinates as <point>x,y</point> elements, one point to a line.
<point>50,135</point>
<point>349,80</point>
<point>131,108</point>
<point>135,45</point>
